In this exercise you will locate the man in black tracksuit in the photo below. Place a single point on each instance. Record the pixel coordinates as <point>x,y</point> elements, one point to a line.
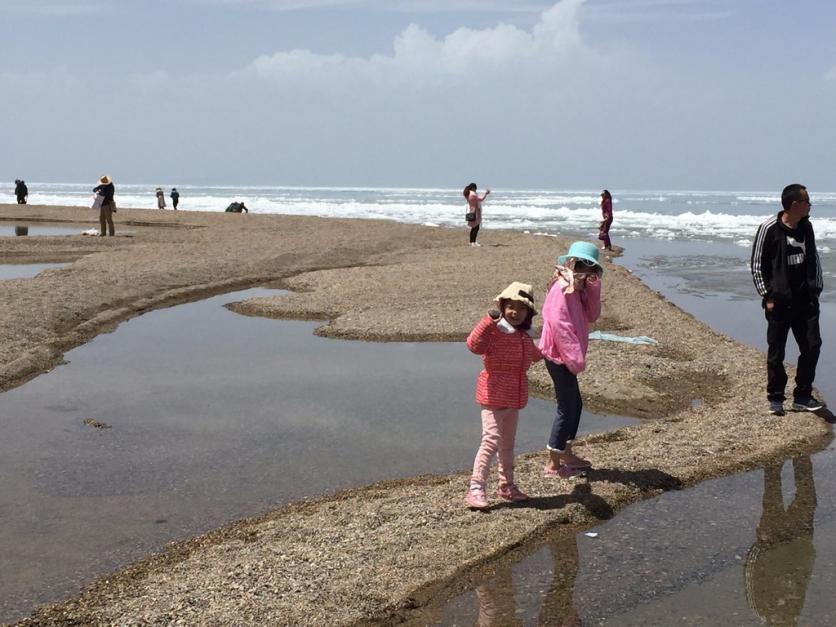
<point>787,274</point>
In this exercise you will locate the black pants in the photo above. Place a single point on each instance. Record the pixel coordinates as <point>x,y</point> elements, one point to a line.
<point>804,322</point>
<point>474,231</point>
<point>569,406</point>
<point>21,200</point>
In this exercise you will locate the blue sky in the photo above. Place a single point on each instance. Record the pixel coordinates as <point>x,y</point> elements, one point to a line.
<point>698,94</point>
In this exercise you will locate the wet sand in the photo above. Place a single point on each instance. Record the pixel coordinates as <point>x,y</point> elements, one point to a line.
<point>376,553</point>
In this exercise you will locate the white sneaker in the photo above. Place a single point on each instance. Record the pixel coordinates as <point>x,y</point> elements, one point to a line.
<point>476,245</point>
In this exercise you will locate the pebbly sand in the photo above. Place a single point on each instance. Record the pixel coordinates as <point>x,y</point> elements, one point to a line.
<point>378,554</point>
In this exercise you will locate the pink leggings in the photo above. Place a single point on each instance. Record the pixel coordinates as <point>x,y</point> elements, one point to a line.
<point>499,429</point>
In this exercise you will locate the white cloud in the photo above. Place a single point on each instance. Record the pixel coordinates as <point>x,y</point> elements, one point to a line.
<point>419,56</point>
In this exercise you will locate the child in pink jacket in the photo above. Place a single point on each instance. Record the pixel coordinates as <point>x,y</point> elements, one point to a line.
<point>572,302</point>
<point>507,350</point>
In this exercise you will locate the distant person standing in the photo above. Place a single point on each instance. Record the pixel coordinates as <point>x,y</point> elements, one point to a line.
<point>788,276</point>
<point>606,222</point>
<point>175,197</point>
<point>474,211</point>
<point>160,198</point>
<point>21,191</point>
<point>107,191</point>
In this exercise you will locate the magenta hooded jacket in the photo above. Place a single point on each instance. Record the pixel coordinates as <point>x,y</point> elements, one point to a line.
<point>566,319</point>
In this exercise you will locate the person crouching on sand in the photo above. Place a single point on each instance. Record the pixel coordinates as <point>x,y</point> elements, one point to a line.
<point>572,302</point>
<point>501,338</point>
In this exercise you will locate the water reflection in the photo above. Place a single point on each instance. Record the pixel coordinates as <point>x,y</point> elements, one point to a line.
<point>498,604</point>
<point>780,563</point>
<point>39,228</point>
<point>658,563</point>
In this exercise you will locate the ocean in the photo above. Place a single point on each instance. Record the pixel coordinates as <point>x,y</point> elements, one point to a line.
<point>664,215</point>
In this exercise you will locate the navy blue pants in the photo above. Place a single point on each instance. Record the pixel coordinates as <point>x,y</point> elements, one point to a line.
<point>569,405</point>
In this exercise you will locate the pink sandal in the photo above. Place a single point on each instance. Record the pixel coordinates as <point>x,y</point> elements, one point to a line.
<point>563,471</point>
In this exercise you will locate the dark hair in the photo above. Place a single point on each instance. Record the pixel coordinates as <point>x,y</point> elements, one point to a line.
<point>791,194</point>
<point>468,189</point>
<point>525,325</point>
<point>606,194</point>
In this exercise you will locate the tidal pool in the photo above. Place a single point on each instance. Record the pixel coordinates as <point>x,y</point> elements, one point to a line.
<point>26,270</point>
<point>38,228</point>
<point>190,417</point>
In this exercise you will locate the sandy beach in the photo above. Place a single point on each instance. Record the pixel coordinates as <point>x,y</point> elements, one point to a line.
<point>378,554</point>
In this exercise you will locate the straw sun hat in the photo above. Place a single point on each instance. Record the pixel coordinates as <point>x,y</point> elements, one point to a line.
<point>520,292</point>
<point>105,180</point>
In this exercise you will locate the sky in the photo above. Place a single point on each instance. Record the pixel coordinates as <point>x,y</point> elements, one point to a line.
<point>630,94</point>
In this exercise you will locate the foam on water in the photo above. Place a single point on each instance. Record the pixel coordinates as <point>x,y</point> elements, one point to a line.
<point>663,215</point>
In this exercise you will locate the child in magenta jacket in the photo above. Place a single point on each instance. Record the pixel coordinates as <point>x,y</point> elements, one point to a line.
<point>572,302</point>
<point>507,350</point>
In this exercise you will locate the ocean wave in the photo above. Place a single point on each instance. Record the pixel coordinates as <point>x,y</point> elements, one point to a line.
<point>663,215</point>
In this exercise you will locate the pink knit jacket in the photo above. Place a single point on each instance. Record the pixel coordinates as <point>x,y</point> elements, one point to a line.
<point>566,318</point>
<point>507,356</point>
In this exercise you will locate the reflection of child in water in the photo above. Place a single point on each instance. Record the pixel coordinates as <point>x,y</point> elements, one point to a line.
<point>780,563</point>
<point>498,606</point>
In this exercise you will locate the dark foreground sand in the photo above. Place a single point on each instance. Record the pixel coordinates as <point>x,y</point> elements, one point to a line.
<point>377,554</point>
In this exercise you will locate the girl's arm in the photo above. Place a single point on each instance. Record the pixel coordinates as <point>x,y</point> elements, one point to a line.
<point>536,355</point>
<point>591,299</point>
<point>485,195</point>
<point>480,339</point>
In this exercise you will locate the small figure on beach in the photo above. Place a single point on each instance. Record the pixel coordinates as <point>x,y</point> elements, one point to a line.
<point>160,198</point>
<point>780,563</point>
<point>606,221</point>
<point>501,338</point>
<point>787,273</point>
<point>474,211</point>
<point>236,207</point>
<point>107,191</point>
<point>572,302</point>
<point>175,197</point>
<point>21,191</point>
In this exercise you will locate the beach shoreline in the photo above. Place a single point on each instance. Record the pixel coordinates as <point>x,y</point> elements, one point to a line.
<point>383,281</point>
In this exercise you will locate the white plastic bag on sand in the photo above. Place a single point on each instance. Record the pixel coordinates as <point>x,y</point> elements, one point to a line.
<point>90,232</point>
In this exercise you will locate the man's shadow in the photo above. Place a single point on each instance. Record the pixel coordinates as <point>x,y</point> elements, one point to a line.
<point>779,564</point>
<point>825,414</point>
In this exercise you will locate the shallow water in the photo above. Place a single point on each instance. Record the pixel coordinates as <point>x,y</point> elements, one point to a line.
<point>38,229</point>
<point>26,270</point>
<point>213,417</point>
<point>751,549</point>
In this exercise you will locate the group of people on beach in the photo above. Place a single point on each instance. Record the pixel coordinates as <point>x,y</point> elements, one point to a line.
<point>787,273</point>
<point>175,198</point>
<point>473,216</point>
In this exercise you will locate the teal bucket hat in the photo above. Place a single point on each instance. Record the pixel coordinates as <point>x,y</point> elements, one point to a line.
<point>582,250</point>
